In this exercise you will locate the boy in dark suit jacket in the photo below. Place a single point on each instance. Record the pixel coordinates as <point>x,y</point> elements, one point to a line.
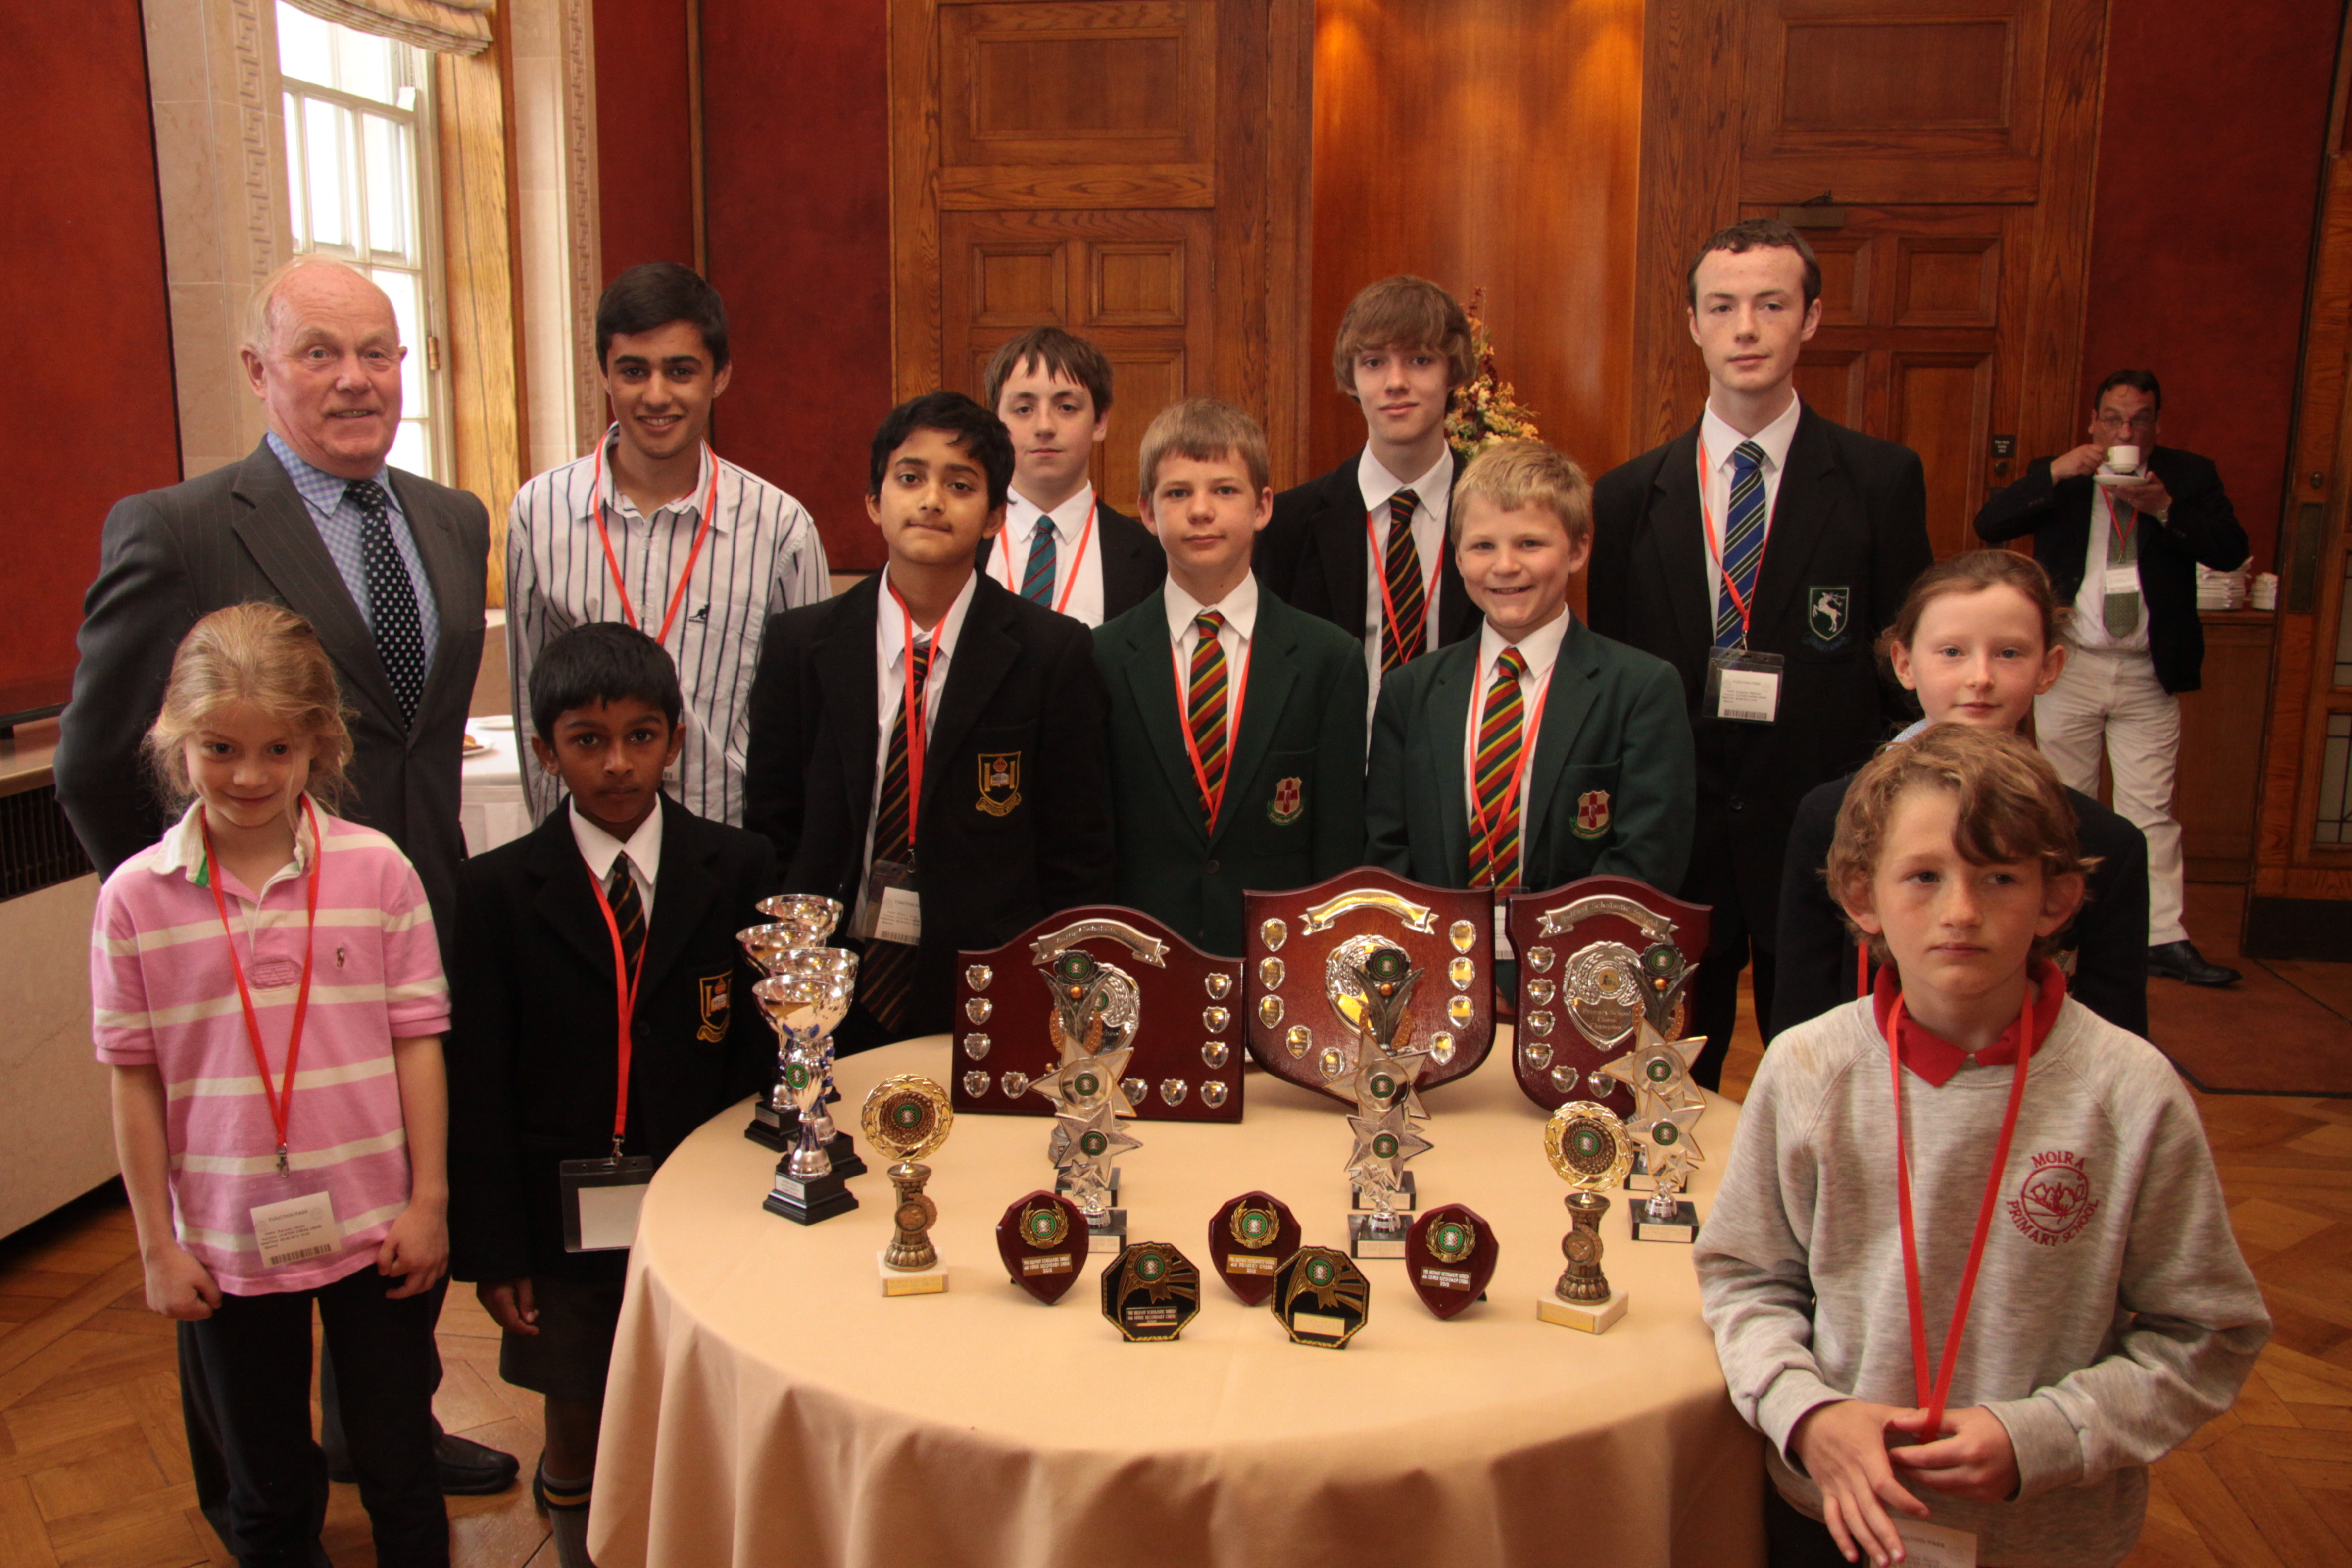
<point>990,810</point>
<point>1061,547</point>
<point>538,1045</point>
<point>1233,717</point>
<point>1769,545</point>
<point>1538,751</point>
<point>1364,547</point>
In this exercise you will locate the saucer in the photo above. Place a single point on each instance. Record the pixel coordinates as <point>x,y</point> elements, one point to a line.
<point>2112,479</point>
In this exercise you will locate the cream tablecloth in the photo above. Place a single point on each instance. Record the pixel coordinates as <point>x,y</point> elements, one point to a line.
<point>491,806</point>
<point>769,1405</point>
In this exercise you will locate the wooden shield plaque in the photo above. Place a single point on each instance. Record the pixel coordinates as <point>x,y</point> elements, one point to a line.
<point>1296,1033</point>
<point>1178,1007</point>
<point>1596,956</point>
<point>1248,1239</point>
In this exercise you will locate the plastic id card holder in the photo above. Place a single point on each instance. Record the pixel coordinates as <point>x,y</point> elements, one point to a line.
<point>1744,686</point>
<point>1928,1545</point>
<point>297,1230</point>
<point>601,1200</point>
<point>893,910</point>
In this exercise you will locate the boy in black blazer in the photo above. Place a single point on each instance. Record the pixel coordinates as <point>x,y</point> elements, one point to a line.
<point>1235,752</point>
<point>1759,552</point>
<point>987,812</point>
<point>1062,546</point>
<point>536,1036</point>
<point>1333,549</point>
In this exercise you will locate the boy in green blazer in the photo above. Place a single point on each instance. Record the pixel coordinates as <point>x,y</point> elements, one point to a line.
<point>1236,720</point>
<point>1538,751</point>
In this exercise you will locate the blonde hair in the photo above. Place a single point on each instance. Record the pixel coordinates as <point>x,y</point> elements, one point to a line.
<point>1513,474</point>
<point>1203,429</point>
<point>1409,312</point>
<point>261,306</point>
<point>267,658</point>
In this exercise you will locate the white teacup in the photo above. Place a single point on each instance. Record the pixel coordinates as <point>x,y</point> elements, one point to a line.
<point>2123,460</point>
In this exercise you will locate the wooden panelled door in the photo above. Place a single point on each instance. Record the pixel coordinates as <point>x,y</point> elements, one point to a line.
<point>1132,170</point>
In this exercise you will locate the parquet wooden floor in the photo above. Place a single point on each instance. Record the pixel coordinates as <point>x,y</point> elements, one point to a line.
<point>94,1469</point>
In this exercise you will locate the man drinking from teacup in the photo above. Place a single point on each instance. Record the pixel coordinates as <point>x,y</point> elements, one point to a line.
<point>2121,524</point>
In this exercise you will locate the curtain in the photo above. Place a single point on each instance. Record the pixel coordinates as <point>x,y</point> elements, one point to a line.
<point>442,26</point>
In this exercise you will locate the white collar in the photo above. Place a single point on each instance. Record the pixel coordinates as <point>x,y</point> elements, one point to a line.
<point>722,517</point>
<point>1539,648</point>
<point>598,848</point>
<point>1721,441</point>
<point>890,626</point>
<point>1373,479</point>
<point>182,850</point>
<point>1239,608</point>
<point>1022,515</point>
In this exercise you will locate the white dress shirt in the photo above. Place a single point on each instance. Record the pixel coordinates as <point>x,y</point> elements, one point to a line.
<point>890,690</point>
<point>1540,648</point>
<point>762,555</point>
<point>1720,443</point>
<point>1434,493</point>
<point>1069,522</point>
<point>642,849</point>
<point>1240,610</point>
<point>2089,626</point>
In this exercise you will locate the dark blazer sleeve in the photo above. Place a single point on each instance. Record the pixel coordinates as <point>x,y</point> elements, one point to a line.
<point>1656,809</point>
<point>2110,934</point>
<point>1281,543</point>
<point>489,1235</point>
<point>1815,966</point>
<point>1388,842</point>
<point>1616,514</point>
<point>1338,769</point>
<point>2202,517</point>
<point>2018,508</point>
<point>137,610</point>
<point>1074,853</point>
<point>776,752</point>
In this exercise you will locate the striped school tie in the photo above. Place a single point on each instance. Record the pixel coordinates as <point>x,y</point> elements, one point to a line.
<point>1494,834</point>
<point>628,911</point>
<point>1037,578</point>
<point>1205,709</point>
<point>1407,637</point>
<point>1743,543</point>
<point>886,971</point>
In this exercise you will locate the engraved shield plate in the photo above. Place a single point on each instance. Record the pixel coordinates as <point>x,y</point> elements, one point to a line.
<point>1616,950</point>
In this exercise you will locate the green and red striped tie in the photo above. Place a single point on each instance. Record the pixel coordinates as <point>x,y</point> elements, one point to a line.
<point>1405,638</point>
<point>1204,710</point>
<point>1495,832</point>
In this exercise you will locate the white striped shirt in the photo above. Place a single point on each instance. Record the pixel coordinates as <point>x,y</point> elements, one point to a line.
<point>762,555</point>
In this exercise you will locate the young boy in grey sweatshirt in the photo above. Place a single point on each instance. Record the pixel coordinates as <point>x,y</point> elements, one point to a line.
<point>2112,1315</point>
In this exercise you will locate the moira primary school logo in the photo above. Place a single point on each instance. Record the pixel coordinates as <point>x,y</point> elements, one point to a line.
<point>2054,1202</point>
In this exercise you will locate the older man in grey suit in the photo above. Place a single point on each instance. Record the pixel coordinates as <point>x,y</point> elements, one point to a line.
<point>389,568</point>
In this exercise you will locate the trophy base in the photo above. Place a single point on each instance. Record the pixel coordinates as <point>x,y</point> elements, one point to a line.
<point>1062,1184</point>
<point>1109,1226</point>
<point>1682,1228</point>
<point>843,1152</point>
<point>1637,1177</point>
<point>1592,1316</point>
<point>910,1281</point>
<point>1407,1199</point>
<point>807,1203</point>
<point>768,1128</point>
<point>1367,1237</point>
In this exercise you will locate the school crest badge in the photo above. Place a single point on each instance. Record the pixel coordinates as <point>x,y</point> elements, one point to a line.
<point>714,999</point>
<point>2055,1200</point>
<point>1826,613</point>
<point>1593,814</point>
<point>1289,800</point>
<point>1000,782</point>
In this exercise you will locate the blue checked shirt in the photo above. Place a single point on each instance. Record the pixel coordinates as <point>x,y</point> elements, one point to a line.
<point>338,525</point>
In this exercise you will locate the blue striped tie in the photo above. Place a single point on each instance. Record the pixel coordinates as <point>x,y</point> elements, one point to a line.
<point>1037,579</point>
<point>1743,543</point>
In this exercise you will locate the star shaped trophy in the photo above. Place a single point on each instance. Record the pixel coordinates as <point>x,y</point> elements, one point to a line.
<point>1093,1020</point>
<point>1665,1103</point>
<point>793,941</point>
<point>1378,979</point>
<point>804,1005</point>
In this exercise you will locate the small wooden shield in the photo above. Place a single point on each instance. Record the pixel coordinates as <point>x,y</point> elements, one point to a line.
<point>1596,956</point>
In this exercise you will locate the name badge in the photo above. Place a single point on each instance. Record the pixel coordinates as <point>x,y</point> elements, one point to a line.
<point>2121,580</point>
<point>1933,1546</point>
<point>297,1230</point>
<point>601,1202</point>
<point>893,910</point>
<point>1744,686</point>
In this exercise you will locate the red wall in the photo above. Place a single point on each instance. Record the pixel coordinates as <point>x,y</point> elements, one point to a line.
<point>90,416</point>
<point>644,128</point>
<point>2210,150</point>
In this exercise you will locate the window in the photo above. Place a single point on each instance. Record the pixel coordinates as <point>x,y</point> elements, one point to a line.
<point>360,165</point>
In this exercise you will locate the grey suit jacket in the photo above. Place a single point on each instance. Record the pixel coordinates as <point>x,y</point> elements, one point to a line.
<point>242,533</point>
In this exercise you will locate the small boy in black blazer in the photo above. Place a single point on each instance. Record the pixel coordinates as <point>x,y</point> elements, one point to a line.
<point>927,747</point>
<point>622,890</point>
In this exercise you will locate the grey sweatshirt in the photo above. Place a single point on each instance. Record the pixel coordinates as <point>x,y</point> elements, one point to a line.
<point>2114,1314</point>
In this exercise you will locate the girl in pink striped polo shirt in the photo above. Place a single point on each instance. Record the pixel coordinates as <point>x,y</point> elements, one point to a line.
<point>268,992</point>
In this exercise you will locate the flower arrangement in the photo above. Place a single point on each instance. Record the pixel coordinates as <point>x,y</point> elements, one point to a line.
<point>1487,410</point>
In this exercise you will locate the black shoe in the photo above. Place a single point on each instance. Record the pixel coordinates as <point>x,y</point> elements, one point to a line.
<point>473,1469</point>
<point>2181,960</point>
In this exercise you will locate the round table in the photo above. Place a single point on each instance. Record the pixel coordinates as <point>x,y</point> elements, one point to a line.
<point>769,1405</point>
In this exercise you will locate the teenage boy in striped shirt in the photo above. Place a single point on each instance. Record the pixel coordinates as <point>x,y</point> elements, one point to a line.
<point>654,529</point>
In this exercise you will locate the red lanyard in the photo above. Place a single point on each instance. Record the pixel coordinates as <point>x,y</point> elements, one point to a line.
<point>1216,797</point>
<point>1527,733</point>
<point>1062,603</point>
<point>1707,515</point>
<point>2123,532</point>
<point>1396,632</point>
<point>279,1097</point>
<point>626,982</point>
<point>1932,1395</point>
<point>612,562</point>
<point>913,710</point>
